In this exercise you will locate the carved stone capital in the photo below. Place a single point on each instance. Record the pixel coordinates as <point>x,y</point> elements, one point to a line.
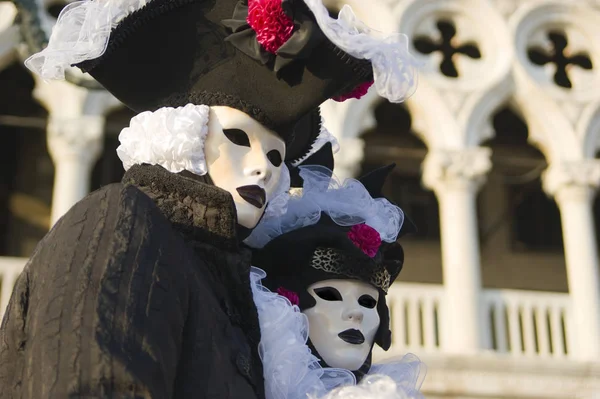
<point>581,177</point>
<point>467,168</point>
<point>80,138</point>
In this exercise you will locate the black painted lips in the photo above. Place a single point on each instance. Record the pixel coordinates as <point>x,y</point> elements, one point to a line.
<point>352,336</point>
<point>254,195</point>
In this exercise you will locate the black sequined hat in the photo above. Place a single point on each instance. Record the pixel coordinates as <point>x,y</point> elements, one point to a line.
<point>300,258</point>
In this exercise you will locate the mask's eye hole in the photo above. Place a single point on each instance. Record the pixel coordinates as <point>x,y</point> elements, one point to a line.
<point>237,137</point>
<point>328,294</point>
<point>274,157</point>
<point>367,301</point>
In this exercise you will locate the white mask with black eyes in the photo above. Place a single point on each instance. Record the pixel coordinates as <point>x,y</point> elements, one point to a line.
<point>344,321</point>
<point>245,159</point>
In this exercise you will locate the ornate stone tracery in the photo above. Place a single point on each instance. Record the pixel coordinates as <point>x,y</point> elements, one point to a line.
<point>555,48</point>
<point>541,57</point>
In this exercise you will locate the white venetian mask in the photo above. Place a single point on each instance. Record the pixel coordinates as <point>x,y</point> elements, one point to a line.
<point>344,321</point>
<point>245,159</point>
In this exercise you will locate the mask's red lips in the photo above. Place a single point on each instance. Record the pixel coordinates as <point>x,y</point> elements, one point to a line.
<point>352,336</point>
<point>254,195</point>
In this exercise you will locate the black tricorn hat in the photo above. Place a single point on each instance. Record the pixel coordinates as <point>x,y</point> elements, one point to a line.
<point>175,52</point>
<point>323,251</point>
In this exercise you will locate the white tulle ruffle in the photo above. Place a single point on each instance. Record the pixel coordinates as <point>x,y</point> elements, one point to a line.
<point>279,200</point>
<point>170,137</point>
<point>408,374</point>
<point>374,386</point>
<point>347,203</point>
<point>81,33</point>
<point>291,371</point>
<point>394,68</point>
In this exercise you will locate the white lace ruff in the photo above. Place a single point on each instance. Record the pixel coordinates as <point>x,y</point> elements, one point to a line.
<point>170,137</point>
<point>394,68</point>
<point>81,33</point>
<point>291,371</point>
<point>347,203</point>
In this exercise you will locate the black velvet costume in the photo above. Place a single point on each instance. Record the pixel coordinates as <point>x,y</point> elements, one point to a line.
<point>140,291</point>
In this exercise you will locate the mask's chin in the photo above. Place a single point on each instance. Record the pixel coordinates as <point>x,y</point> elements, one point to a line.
<point>248,215</point>
<point>358,373</point>
<point>244,231</point>
<point>352,358</point>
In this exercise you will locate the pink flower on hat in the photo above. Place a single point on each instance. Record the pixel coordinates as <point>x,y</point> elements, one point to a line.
<point>366,238</point>
<point>272,25</point>
<point>291,295</point>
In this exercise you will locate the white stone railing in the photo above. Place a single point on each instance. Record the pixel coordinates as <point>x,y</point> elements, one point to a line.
<point>528,323</point>
<point>519,323</point>
<point>10,268</point>
<point>415,316</point>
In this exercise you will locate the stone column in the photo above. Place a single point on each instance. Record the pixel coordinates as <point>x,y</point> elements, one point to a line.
<point>573,185</point>
<point>75,143</point>
<point>75,137</point>
<point>455,176</point>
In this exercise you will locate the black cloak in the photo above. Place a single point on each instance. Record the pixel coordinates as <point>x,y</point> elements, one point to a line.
<point>140,291</point>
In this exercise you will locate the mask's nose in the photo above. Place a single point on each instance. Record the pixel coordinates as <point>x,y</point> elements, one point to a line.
<point>258,166</point>
<point>353,315</point>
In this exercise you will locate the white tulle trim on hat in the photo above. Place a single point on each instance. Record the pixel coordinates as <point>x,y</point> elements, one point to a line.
<point>323,138</point>
<point>394,68</point>
<point>347,203</point>
<point>291,371</point>
<point>170,137</point>
<point>81,33</point>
